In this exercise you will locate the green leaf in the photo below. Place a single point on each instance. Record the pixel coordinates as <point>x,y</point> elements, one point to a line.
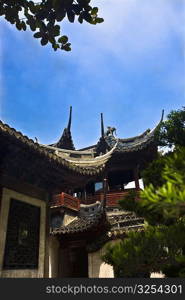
<point>18,25</point>
<point>99,20</point>
<point>56,30</point>
<point>38,35</point>
<point>66,47</point>
<point>93,21</point>
<point>44,41</point>
<point>80,19</point>
<point>55,46</point>
<point>63,39</point>
<point>33,26</point>
<point>2,11</point>
<point>57,27</point>
<point>71,16</point>
<point>32,6</point>
<point>42,26</point>
<point>51,40</point>
<point>87,17</point>
<point>60,16</point>
<point>42,14</point>
<point>56,4</point>
<point>94,11</point>
<point>23,25</point>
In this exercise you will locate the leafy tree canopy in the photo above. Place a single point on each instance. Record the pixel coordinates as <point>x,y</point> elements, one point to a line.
<point>136,255</point>
<point>172,135</point>
<point>172,132</point>
<point>157,248</point>
<point>166,203</point>
<point>161,246</point>
<point>43,17</point>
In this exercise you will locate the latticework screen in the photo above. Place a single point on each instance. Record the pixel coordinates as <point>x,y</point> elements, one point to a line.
<point>22,239</point>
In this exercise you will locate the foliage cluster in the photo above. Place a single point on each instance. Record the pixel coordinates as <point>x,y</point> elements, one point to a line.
<point>43,17</point>
<point>172,132</point>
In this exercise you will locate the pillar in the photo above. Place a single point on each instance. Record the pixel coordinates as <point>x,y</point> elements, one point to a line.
<point>104,192</point>
<point>136,177</point>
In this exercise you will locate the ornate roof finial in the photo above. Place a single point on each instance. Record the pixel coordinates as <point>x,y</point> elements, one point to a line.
<point>70,118</point>
<point>66,141</point>
<point>102,125</point>
<point>162,116</point>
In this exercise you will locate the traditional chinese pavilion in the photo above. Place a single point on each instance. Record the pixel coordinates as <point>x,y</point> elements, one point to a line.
<point>59,206</point>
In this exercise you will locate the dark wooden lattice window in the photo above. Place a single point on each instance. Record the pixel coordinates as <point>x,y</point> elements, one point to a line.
<point>22,239</point>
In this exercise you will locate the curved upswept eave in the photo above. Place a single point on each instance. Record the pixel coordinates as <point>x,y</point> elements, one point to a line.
<point>87,164</point>
<point>95,161</point>
<point>52,157</point>
<point>138,142</point>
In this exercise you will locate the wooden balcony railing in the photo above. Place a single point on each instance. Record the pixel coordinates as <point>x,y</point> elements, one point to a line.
<point>68,201</point>
<point>112,198</point>
<point>65,200</point>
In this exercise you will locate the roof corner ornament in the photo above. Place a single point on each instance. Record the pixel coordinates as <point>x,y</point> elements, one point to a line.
<point>110,131</point>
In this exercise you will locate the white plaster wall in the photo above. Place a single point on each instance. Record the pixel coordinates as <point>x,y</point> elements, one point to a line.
<point>7,194</point>
<point>157,275</point>
<point>106,271</point>
<point>53,257</point>
<point>97,268</point>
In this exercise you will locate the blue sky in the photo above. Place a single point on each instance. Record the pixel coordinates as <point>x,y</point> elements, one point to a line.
<point>130,67</point>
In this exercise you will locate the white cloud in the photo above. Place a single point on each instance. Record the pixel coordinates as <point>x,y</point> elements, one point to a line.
<point>135,33</point>
<point>133,30</point>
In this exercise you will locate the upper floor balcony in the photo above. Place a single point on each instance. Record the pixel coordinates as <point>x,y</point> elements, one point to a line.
<point>65,200</point>
<point>68,201</point>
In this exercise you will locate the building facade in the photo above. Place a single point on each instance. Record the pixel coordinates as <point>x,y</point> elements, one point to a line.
<point>59,207</point>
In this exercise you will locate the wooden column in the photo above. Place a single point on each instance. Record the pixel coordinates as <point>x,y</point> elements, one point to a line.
<point>47,246</point>
<point>136,177</point>
<point>104,192</point>
<point>85,196</point>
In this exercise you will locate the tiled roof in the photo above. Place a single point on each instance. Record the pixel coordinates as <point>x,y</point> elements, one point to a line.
<point>124,222</point>
<point>80,162</point>
<point>80,224</point>
<point>52,157</point>
<point>118,223</point>
<point>132,144</point>
<point>66,141</point>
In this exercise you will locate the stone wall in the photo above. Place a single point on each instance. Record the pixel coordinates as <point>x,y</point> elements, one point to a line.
<point>7,194</point>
